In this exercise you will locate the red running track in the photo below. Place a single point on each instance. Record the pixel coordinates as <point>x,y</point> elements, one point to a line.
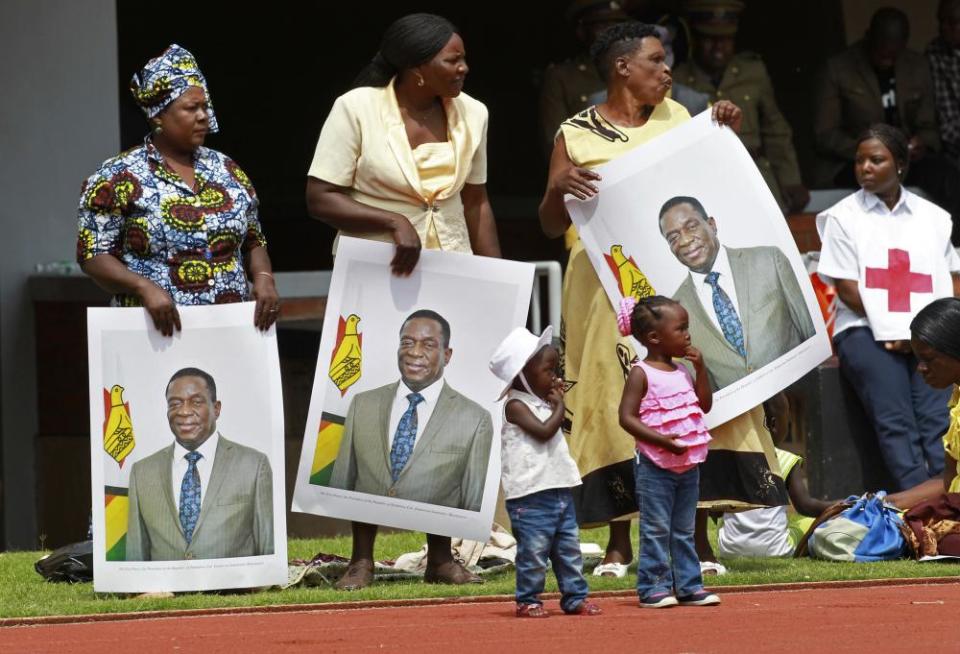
<point>911,618</point>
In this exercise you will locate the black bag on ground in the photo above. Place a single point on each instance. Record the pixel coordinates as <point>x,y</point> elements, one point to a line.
<point>71,563</point>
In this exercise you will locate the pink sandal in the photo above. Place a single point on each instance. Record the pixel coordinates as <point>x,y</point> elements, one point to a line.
<point>532,611</point>
<point>586,608</point>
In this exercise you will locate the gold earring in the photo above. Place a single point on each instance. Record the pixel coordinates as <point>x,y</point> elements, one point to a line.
<point>157,128</point>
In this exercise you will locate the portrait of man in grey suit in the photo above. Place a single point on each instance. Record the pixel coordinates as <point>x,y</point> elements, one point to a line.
<point>415,439</point>
<point>202,496</point>
<point>745,304</point>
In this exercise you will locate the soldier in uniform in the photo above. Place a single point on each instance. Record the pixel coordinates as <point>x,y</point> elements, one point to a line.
<point>741,77</point>
<point>572,86</point>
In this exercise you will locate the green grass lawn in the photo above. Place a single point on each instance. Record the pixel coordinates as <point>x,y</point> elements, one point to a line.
<point>24,593</point>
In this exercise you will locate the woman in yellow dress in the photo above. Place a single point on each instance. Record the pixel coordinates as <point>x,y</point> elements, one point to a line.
<point>402,159</point>
<point>741,471</point>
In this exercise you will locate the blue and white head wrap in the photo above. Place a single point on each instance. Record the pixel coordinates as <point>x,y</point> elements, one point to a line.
<point>166,78</point>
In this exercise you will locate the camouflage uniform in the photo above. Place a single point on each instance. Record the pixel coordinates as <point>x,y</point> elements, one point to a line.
<point>765,132</point>
<point>568,88</point>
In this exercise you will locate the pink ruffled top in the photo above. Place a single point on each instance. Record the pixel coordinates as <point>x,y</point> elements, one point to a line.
<point>671,407</point>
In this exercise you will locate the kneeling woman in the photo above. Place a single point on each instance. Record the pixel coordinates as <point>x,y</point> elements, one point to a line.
<point>936,344</point>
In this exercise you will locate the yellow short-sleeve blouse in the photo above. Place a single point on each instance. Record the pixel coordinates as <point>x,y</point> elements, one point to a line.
<point>363,146</point>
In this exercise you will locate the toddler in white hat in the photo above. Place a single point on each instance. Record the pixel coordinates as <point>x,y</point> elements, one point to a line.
<point>538,473</point>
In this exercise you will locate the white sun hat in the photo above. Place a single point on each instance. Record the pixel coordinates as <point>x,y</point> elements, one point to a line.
<point>513,353</point>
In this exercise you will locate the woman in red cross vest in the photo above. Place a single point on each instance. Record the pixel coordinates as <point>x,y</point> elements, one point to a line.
<point>888,253</point>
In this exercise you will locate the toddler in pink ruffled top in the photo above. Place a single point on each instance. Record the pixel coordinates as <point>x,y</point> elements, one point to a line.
<point>662,408</point>
<point>673,433</point>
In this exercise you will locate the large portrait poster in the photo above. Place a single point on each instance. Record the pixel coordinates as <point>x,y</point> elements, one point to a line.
<point>360,460</point>
<point>186,452</point>
<point>689,216</point>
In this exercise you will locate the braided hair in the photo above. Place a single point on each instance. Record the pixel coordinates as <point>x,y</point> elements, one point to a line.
<point>638,317</point>
<point>893,140</point>
<point>408,42</point>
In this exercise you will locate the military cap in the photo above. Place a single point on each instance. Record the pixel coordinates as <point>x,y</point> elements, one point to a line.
<point>595,10</point>
<point>714,17</point>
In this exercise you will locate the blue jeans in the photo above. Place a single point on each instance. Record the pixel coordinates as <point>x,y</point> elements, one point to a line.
<point>545,526</point>
<point>668,508</point>
<point>908,416</point>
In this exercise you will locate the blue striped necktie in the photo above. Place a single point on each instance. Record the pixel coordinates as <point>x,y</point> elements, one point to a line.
<point>405,436</point>
<point>726,314</point>
<point>190,496</point>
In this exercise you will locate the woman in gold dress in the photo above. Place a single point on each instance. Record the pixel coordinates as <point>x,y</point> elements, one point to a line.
<point>741,471</point>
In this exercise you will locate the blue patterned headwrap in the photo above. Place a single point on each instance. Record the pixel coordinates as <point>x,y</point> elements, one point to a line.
<point>166,78</point>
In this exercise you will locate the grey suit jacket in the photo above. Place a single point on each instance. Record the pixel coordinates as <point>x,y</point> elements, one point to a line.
<point>772,311</point>
<point>448,466</point>
<point>847,101</point>
<point>236,511</point>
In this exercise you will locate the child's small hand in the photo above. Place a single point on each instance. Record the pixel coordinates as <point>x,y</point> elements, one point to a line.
<point>555,397</point>
<point>672,443</point>
<point>694,356</point>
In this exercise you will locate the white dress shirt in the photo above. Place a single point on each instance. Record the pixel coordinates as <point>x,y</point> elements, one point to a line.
<point>705,291</point>
<point>424,409</point>
<point>204,465</point>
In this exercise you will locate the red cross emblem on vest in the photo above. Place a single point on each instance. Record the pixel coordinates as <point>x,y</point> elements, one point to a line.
<point>898,281</point>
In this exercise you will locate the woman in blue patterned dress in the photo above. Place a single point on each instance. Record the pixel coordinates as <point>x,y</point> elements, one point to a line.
<point>172,222</point>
